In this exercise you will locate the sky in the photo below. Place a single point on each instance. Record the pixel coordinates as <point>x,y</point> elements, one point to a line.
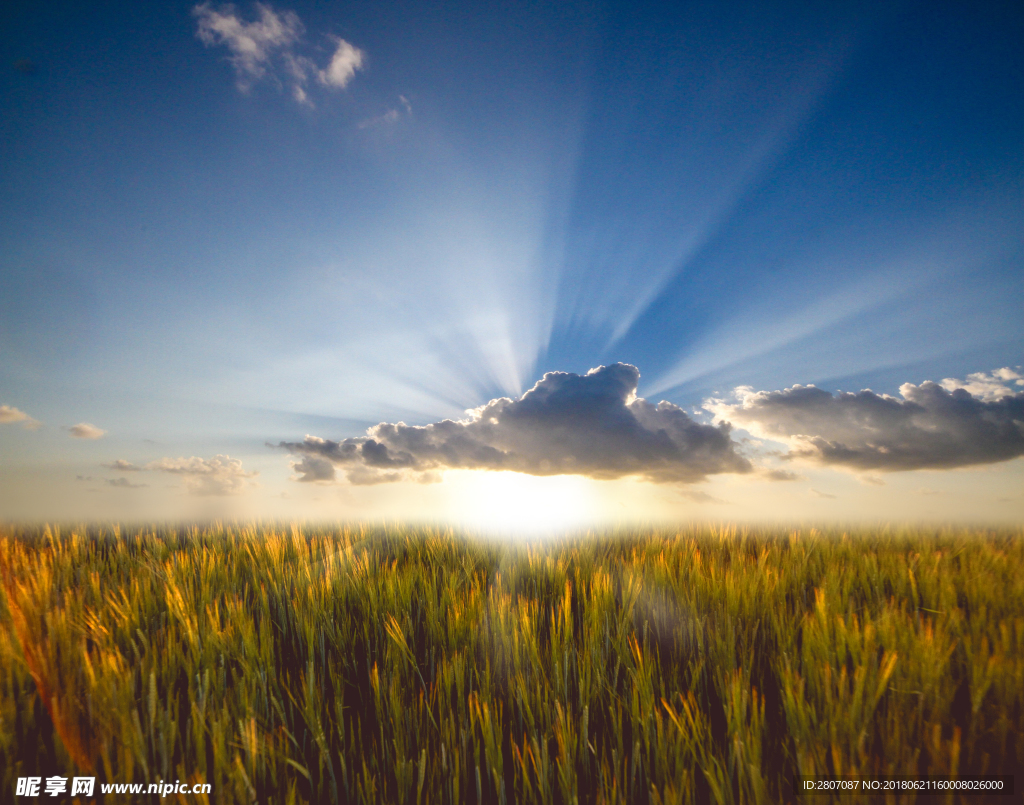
<point>516,266</point>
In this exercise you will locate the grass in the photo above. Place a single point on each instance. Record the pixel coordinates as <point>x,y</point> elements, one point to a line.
<point>416,665</point>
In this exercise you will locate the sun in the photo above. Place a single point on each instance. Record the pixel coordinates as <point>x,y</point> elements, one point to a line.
<point>514,503</point>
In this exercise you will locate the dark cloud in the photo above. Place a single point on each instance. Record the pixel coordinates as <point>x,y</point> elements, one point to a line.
<point>314,468</point>
<point>591,425</point>
<point>25,66</point>
<point>932,427</point>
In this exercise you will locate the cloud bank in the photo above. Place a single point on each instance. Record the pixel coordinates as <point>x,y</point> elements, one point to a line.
<point>268,47</point>
<point>592,425</point>
<point>934,426</point>
<point>9,415</point>
<point>220,475</point>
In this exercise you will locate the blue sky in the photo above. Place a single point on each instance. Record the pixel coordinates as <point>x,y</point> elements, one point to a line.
<point>201,256</point>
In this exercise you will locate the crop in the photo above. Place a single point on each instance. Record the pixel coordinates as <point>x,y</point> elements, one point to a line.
<point>420,665</point>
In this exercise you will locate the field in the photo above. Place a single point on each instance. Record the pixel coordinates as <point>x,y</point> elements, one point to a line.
<point>417,665</point>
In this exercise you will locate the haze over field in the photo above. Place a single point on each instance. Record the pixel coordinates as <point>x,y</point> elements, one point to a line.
<point>520,266</point>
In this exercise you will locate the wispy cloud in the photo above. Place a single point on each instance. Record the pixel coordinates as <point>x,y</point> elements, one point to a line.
<point>567,424</point>
<point>10,415</point>
<point>933,427</point>
<point>124,483</point>
<point>392,115</point>
<point>86,430</point>
<point>269,47</point>
<point>780,475</point>
<point>698,496</point>
<point>344,63</point>
<point>220,475</point>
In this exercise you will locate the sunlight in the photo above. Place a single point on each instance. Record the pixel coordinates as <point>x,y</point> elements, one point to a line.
<point>511,502</point>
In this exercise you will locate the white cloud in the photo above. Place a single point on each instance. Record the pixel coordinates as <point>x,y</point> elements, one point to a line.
<point>987,385</point>
<point>251,44</point>
<point>86,430</point>
<point>932,427</point>
<point>346,60</point>
<point>269,46</point>
<point>9,415</point>
<point>220,475</point>
<point>567,424</point>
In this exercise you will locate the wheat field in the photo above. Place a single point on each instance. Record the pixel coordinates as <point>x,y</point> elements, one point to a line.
<point>400,664</point>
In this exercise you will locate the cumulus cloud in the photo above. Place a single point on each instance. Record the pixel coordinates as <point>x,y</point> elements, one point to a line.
<point>220,475</point>
<point>86,430</point>
<point>987,386</point>
<point>312,468</point>
<point>591,425</point>
<point>268,47</point>
<point>9,415</point>
<point>933,426</point>
<point>122,466</point>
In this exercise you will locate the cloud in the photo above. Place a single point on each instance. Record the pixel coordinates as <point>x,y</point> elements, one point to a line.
<point>392,115</point>
<point>220,475</point>
<point>9,415</point>
<point>85,430</point>
<point>570,424</point>
<point>122,466</point>
<point>698,496</point>
<point>823,494</point>
<point>987,386</point>
<point>124,483</point>
<point>781,475</point>
<point>344,63</point>
<point>268,48</point>
<point>314,468</point>
<point>932,427</point>
<point>251,44</point>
